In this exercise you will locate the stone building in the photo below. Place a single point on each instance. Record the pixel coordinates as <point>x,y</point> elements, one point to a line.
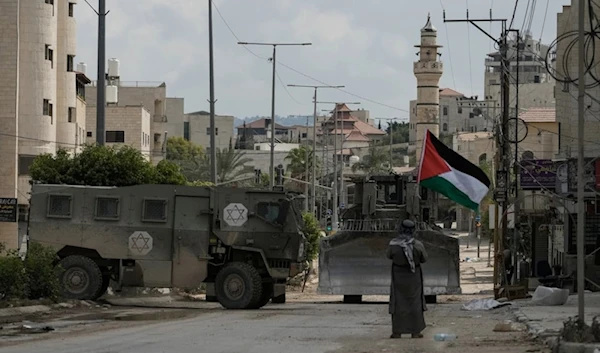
<point>40,104</point>
<point>129,125</point>
<point>197,129</point>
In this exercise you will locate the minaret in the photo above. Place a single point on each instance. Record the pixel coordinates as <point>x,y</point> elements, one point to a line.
<point>428,71</point>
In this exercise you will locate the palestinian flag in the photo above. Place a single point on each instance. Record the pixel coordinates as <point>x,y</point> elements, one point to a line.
<point>450,174</point>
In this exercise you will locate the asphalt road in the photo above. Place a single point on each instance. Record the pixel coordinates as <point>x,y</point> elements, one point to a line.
<point>292,328</point>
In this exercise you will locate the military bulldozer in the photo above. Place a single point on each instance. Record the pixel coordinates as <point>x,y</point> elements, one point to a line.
<point>352,262</point>
<point>243,243</point>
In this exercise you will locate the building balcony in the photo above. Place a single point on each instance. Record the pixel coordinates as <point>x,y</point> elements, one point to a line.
<point>428,67</point>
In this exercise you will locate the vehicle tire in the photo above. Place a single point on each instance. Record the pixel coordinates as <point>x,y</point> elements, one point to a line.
<point>280,299</point>
<point>431,299</point>
<point>352,299</point>
<point>81,278</point>
<point>267,293</point>
<point>103,287</point>
<point>238,286</point>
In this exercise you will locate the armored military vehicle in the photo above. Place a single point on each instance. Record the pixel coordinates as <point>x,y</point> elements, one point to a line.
<point>352,262</point>
<point>244,243</point>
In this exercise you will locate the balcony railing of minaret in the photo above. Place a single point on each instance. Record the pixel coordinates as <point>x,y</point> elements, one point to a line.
<point>429,65</point>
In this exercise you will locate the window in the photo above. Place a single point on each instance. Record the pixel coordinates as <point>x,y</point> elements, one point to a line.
<point>154,210</point>
<point>59,206</point>
<point>459,110</point>
<point>445,127</point>
<point>49,55</point>
<point>89,134</point>
<point>208,131</point>
<point>268,210</point>
<point>24,163</point>
<point>71,114</point>
<point>71,9</point>
<point>536,79</point>
<point>115,136</point>
<point>70,61</point>
<point>47,108</point>
<point>186,130</point>
<point>107,208</point>
<point>304,135</point>
<point>445,111</point>
<point>156,137</point>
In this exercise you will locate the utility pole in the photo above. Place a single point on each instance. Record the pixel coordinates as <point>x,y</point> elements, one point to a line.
<point>213,142</point>
<point>391,125</point>
<point>339,186</point>
<point>306,170</point>
<point>581,167</point>
<point>274,60</point>
<point>314,148</point>
<point>504,160</point>
<point>101,89</point>
<point>516,169</point>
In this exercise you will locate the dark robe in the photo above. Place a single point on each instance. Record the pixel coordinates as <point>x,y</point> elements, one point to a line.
<point>407,299</point>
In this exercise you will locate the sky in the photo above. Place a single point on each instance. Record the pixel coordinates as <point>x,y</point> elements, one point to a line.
<point>368,46</point>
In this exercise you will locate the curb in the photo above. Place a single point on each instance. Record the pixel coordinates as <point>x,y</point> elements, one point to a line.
<point>536,331</point>
<point>20,310</point>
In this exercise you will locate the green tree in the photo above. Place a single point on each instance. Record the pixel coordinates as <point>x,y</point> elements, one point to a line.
<point>376,162</point>
<point>400,131</point>
<point>103,166</point>
<point>312,231</point>
<point>191,158</point>
<point>297,162</point>
<point>230,164</point>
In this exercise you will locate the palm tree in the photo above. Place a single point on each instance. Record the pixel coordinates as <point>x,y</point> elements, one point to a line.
<point>297,158</point>
<point>230,164</point>
<point>376,162</point>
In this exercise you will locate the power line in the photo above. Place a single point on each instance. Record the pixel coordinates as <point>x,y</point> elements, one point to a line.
<point>514,13</point>
<point>286,90</point>
<point>544,21</point>
<point>470,55</point>
<point>449,52</point>
<point>306,75</point>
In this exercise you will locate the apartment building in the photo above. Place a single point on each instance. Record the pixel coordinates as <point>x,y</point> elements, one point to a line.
<point>196,128</point>
<point>128,125</point>
<point>167,118</point>
<point>40,106</point>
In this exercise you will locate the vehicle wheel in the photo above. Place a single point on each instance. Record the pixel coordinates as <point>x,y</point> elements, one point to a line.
<point>431,299</point>
<point>280,299</point>
<point>81,278</point>
<point>103,287</point>
<point>352,299</point>
<point>238,286</point>
<point>267,293</point>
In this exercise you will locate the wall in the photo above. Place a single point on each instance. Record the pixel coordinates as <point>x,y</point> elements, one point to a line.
<point>9,110</point>
<point>133,120</point>
<point>198,130</point>
<point>473,145</point>
<point>175,117</point>
<point>566,94</point>
<point>531,95</point>
<point>542,140</point>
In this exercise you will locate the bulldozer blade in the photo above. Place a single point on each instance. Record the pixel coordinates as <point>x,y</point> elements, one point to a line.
<point>355,263</point>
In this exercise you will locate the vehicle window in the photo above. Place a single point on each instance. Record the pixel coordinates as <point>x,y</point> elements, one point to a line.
<point>107,208</point>
<point>269,211</point>
<point>155,210</point>
<point>59,206</point>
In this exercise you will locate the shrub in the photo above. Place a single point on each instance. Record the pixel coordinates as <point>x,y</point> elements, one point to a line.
<point>13,281</point>
<point>42,275</point>
<point>32,278</point>
<point>311,230</point>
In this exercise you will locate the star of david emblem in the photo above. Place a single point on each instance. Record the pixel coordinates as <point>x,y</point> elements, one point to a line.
<point>140,242</point>
<point>236,214</point>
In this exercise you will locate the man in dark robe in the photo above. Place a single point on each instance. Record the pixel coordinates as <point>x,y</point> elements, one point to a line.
<point>407,299</point>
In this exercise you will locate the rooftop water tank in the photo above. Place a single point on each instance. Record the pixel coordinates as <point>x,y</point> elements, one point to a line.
<point>112,94</point>
<point>82,67</point>
<point>113,68</point>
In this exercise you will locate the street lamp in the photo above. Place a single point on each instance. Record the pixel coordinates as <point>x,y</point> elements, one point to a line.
<point>313,194</point>
<point>274,59</point>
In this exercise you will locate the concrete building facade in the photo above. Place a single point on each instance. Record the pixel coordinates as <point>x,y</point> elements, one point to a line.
<point>153,96</point>
<point>129,125</point>
<point>37,57</point>
<point>566,93</point>
<point>428,71</point>
<point>197,130</point>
